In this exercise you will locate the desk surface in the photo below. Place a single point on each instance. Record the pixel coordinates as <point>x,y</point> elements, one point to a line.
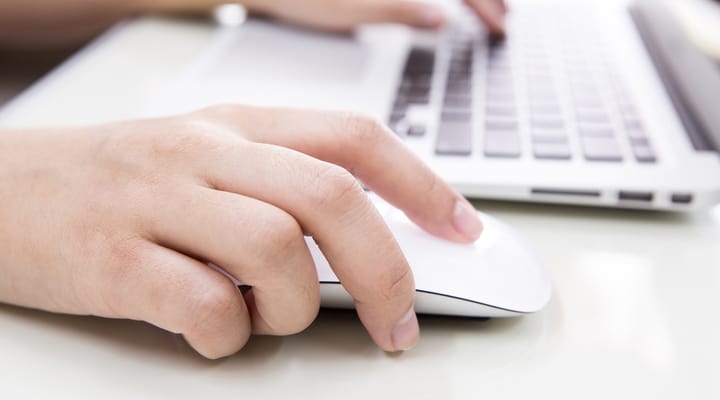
<point>634,312</point>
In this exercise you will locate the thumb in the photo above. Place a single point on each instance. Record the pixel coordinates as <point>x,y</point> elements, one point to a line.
<point>413,13</point>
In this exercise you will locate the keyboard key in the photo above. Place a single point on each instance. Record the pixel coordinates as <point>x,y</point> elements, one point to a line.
<point>593,117</point>
<point>549,135</point>
<point>582,101</point>
<point>420,61</point>
<point>601,149</point>
<point>416,130</point>
<point>454,138</point>
<point>457,102</point>
<point>551,150</point>
<point>396,116</point>
<point>644,153</point>
<point>636,135</point>
<point>501,125</point>
<point>547,123</point>
<point>399,127</point>
<point>456,116</point>
<point>633,123</point>
<point>544,108</point>
<point>500,110</point>
<point>596,130</point>
<point>500,95</point>
<point>502,145</point>
<point>459,87</point>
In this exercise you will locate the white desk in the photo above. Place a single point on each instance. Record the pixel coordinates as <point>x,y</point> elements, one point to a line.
<point>634,313</point>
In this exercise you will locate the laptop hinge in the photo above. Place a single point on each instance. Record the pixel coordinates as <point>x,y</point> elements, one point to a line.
<point>691,78</point>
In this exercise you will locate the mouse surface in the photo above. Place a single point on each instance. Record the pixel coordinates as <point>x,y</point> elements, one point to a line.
<point>496,276</point>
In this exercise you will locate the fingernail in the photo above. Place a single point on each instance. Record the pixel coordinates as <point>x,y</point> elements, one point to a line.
<point>430,17</point>
<point>466,220</point>
<point>406,333</point>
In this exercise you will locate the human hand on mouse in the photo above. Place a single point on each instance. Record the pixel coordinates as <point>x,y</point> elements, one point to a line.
<point>122,221</point>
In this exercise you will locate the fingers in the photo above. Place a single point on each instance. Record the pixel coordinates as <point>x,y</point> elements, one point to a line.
<point>345,15</point>
<point>181,295</point>
<point>492,12</point>
<point>412,13</point>
<point>256,243</point>
<point>369,151</point>
<point>330,205</point>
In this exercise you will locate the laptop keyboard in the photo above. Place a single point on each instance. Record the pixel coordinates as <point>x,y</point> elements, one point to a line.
<point>532,94</point>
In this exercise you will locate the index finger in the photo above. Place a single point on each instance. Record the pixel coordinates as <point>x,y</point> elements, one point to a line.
<point>492,13</point>
<point>369,151</point>
<point>331,206</point>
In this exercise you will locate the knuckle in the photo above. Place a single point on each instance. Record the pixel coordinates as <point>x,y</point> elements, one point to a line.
<point>396,284</point>
<point>335,189</point>
<point>362,131</point>
<point>278,236</point>
<point>222,110</point>
<point>168,139</point>
<point>127,254</point>
<point>185,137</point>
<point>210,306</point>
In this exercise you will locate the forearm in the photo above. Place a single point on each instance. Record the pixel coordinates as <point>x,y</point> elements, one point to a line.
<point>33,24</point>
<point>29,24</point>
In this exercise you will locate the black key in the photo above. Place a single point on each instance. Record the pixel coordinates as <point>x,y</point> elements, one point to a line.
<point>396,116</point>
<point>455,116</point>
<point>420,61</point>
<point>457,102</point>
<point>416,130</point>
<point>458,86</point>
<point>454,138</point>
<point>420,99</point>
<point>601,149</point>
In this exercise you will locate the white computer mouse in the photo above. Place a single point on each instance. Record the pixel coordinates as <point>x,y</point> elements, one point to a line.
<point>496,276</point>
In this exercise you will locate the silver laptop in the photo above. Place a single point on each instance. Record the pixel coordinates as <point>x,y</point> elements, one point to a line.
<point>593,103</point>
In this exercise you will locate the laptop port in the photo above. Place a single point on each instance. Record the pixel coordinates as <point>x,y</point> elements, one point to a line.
<point>565,193</point>
<point>635,196</point>
<point>681,198</point>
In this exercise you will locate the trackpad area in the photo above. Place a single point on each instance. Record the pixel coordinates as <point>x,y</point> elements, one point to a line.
<point>269,64</point>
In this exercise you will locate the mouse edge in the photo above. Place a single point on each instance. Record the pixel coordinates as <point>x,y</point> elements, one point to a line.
<point>334,295</point>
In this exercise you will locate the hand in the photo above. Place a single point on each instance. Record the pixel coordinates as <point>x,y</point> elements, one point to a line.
<point>48,24</point>
<point>343,15</point>
<point>122,221</point>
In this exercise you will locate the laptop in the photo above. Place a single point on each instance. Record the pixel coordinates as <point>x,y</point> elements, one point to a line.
<point>598,103</point>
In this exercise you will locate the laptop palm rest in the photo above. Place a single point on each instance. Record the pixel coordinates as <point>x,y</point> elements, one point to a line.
<point>267,64</point>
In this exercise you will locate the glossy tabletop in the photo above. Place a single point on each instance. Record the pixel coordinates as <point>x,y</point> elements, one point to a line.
<point>634,312</point>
